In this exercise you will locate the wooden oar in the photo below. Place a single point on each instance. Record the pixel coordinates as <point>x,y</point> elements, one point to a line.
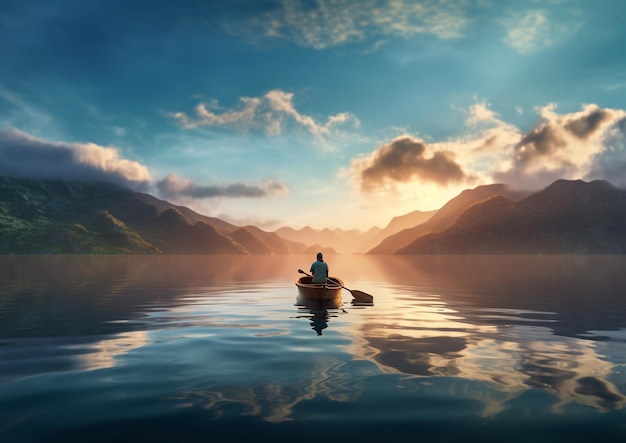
<point>359,295</point>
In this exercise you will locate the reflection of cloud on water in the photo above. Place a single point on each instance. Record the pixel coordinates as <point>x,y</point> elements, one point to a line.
<point>275,402</point>
<point>415,356</point>
<point>429,339</point>
<point>454,357</point>
<point>573,371</point>
<point>103,354</point>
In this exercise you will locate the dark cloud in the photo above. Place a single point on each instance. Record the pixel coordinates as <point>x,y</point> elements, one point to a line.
<point>550,137</point>
<point>404,160</point>
<point>586,125</point>
<point>540,142</point>
<point>586,144</point>
<point>22,155</point>
<point>173,187</point>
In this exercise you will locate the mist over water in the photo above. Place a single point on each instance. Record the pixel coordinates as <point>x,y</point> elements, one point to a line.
<point>220,348</point>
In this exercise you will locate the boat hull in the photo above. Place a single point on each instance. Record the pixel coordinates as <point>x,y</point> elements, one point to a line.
<point>319,291</point>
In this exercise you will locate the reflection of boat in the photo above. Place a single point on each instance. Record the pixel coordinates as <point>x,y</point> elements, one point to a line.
<point>330,290</point>
<point>319,321</point>
<point>315,305</point>
<point>317,311</point>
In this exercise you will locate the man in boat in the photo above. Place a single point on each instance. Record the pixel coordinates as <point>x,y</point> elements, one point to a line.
<point>319,269</point>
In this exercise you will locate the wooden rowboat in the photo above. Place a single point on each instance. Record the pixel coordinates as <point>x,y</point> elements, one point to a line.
<point>359,296</point>
<point>319,291</point>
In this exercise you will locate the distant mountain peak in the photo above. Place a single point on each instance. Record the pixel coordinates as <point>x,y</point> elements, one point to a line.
<point>567,217</point>
<point>444,216</point>
<point>571,185</point>
<point>73,217</point>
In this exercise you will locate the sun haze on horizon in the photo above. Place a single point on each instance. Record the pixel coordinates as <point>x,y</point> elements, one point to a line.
<point>287,113</point>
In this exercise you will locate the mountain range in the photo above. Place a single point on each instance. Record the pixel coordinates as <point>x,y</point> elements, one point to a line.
<point>354,241</point>
<point>444,217</point>
<point>567,217</point>
<point>64,217</point>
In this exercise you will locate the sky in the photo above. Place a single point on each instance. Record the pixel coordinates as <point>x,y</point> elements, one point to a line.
<point>327,113</point>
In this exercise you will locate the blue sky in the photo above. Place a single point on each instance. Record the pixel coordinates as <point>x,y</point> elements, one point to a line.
<point>321,113</point>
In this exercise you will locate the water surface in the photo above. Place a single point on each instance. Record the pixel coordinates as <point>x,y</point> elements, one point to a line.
<point>197,348</point>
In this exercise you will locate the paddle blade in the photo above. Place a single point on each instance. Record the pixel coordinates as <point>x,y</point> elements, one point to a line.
<point>361,296</point>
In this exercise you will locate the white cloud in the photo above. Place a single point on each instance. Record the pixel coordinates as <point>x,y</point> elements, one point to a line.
<point>588,144</point>
<point>23,155</point>
<point>271,112</point>
<point>531,31</point>
<point>563,146</point>
<point>480,112</point>
<point>282,103</point>
<point>207,114</point>
<point>328,23</point>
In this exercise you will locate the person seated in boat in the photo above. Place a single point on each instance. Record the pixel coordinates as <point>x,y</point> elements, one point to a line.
<point>319,269</point>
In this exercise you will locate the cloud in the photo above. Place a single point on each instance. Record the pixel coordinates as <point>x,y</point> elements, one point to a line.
<point>174,187</point>
<point>410,166</point>
<point>564,146</point>
<point>23,155</point>
<point>531,31</point>
<point>588,144</point>
<point>207,114</point>
<point>282,103</point>
<point>269,112</point>
<point>329,23</point>
<point>406,159</point>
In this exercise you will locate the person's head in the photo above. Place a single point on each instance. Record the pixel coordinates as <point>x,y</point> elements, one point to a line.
<point>320,257</point>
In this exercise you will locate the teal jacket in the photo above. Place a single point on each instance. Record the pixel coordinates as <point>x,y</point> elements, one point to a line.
<point>319,269</point>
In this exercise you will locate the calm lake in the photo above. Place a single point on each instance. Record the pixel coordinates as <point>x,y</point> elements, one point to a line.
<point>219,348</point>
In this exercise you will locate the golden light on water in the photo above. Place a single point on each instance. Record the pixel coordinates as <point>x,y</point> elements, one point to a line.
<point>424,337</point>
<point>453,328</point>
<point>106,353</point>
